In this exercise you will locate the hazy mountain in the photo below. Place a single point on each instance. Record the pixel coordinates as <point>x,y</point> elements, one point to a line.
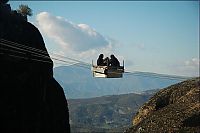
<point>104,114</point>
<point>150,92</point>
<point>78,82</point>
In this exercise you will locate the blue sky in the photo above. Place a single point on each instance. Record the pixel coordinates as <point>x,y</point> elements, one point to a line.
<point>160,36</point>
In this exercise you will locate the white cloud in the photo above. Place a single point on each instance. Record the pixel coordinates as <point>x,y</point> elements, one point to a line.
<point>70,36</point>
<point>193,63</point>
<point>188,67</point>
<point>78,41</point>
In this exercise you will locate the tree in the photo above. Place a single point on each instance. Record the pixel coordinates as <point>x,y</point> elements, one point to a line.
<point>25,11</point>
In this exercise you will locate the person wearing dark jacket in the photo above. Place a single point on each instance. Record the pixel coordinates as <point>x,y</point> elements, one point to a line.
<point>101,61</point>
<point>114,61</point>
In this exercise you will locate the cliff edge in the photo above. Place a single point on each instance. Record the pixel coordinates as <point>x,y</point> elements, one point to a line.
<point>173,109</point>
<point>31,100</point>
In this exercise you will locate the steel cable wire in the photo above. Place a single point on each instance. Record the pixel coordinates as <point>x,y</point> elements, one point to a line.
<point>44,55</point>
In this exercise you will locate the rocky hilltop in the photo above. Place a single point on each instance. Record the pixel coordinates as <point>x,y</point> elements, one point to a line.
<point>173,109</point>
<point>31,100</point>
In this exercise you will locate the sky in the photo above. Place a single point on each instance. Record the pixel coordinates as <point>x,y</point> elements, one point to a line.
<point>159,36</point>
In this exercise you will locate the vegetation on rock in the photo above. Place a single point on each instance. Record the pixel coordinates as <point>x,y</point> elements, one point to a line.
<point>104,114</point>
<point>173,109</point>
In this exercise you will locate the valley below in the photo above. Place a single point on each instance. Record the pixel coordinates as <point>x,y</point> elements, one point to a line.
<point>105,114</point>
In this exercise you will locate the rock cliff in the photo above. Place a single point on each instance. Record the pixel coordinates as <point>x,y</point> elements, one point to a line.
<point>173,109</point>
<point>31,100</point>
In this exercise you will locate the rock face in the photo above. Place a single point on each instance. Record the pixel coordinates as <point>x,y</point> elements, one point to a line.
<point>31,100</point>
<point>173,109</point>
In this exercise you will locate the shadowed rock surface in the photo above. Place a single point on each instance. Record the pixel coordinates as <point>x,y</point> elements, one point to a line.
<point>31,100</point>
<point>173,109</point>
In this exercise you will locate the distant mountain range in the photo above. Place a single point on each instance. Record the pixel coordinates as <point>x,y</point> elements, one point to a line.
<point>78,82</point>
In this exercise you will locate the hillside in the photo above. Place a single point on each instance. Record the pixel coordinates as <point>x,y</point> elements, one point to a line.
<point>104,114</point>
<point>173,109</point>
<point>79,83</point>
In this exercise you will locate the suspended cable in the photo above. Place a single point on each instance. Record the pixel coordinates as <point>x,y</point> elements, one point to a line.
<point>38,55</point>
<point>45,56</point>
<point>23,46</point>
<point>156,75</point>
<point>38,60</point>
<point>22,57</point>
<point>66,62</point>
<point>23,49</point>
<point>5,49</point>
<point>71,59</point>
<point>40,51</point>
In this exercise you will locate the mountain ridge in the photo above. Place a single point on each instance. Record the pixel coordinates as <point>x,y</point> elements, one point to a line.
<point>104,114</point>
<point>79,83</point>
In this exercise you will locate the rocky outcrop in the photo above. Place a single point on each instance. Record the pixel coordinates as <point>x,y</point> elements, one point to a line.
<point>173,109</point>
<point>31,100</point>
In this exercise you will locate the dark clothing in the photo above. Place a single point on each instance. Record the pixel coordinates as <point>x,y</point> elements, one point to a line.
<point>114,62</point>
<point>100,62</point>
<point>106,61</point>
